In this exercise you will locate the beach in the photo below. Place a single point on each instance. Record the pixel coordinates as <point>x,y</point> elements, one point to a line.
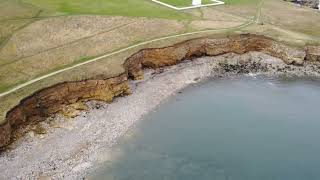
<point>72,148</point>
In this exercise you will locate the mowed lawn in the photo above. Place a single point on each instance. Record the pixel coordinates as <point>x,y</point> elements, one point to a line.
<point>184,3</point>
<point>135,8</point>
<point>235,2</point>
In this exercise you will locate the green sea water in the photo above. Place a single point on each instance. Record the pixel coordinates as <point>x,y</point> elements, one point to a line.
<point>243,128</point>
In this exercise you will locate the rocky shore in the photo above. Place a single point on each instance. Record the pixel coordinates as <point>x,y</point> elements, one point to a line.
<point>65,97</point>
<point>310,3</point>
<point>55,146</point>
<point>72,148</point>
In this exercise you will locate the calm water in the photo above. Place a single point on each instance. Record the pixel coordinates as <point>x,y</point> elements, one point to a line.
<point>244,128</point>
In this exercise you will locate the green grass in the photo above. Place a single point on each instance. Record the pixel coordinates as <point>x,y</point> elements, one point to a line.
<point>135,8</point>
<point>184,3</point>
<point>15,9</point>
<point>237,2</point>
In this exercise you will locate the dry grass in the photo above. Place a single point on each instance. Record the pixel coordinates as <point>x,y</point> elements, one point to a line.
<point>206,24</point>
<point>34,51</point>
<point>14,15</point>
<point>12,9</point>
<point>292,17</point>
<point>245,10</point>
<point>217,15</point>
<point>44,34</point>
<point>280,34</point>
<point>10,26</point>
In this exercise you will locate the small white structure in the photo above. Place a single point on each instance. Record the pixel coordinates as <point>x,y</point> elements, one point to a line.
<point>196,2</point>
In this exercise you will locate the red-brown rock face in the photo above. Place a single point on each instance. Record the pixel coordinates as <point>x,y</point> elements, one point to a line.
<point>155,58</point>
<point>5,134</point>
<point>51,100</point>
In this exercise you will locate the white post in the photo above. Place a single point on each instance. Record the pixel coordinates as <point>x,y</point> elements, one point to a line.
<point>196,2</point>
<point>319,6</point>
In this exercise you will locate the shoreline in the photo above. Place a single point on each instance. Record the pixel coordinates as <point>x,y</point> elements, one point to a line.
<point>72,148</point>
<point>69,97</point>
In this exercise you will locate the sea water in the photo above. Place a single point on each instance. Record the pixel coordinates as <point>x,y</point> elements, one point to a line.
<point>241,128</point>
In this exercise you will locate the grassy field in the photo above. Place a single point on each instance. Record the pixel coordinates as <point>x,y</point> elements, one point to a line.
<point>17,14</point>
<point>17,9</point>
<point>184,3</point>
<point>135,8</point>
<point>233,2</point>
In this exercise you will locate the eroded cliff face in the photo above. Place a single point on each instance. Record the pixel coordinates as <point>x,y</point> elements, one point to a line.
<point>313,53</point>
<point>155,58</point>
<point>5,134</point>
<point>52,100</point>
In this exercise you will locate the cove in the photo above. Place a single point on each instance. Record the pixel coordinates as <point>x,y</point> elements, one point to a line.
<point>239,128</point>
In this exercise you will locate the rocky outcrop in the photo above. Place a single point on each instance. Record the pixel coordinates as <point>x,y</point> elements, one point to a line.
<point>61,97</point>
<point>313,53</point>
<point>310,3</point>
<point>155,58</point>
<point>5,134</point>
<point>49,101</point>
